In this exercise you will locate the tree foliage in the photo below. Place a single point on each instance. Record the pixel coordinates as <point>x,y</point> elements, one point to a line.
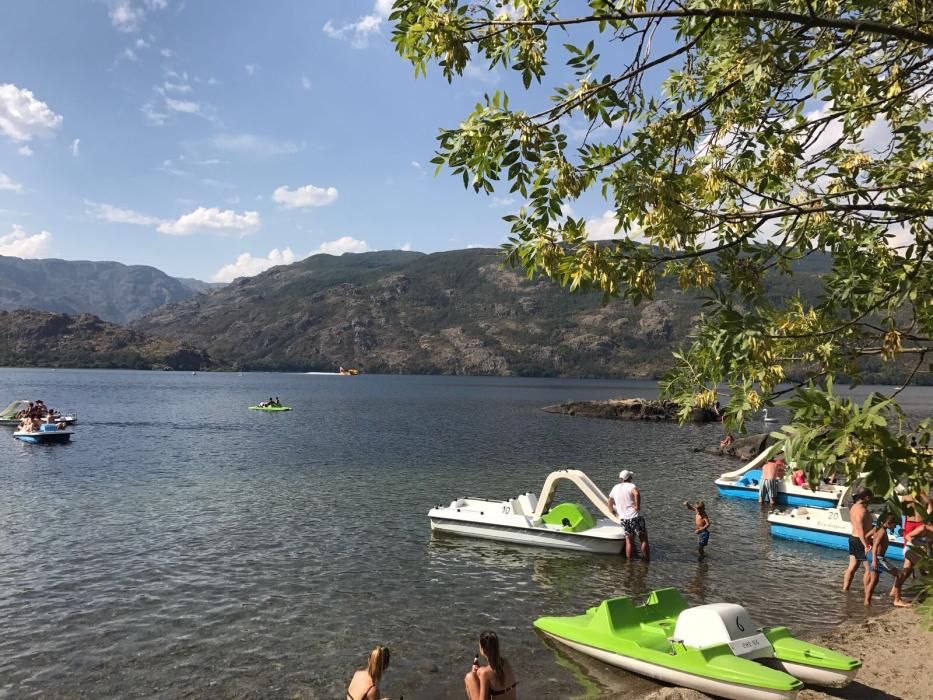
<point>730,139</point>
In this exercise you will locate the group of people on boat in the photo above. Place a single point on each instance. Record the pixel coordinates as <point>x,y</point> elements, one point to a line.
<point>271,403</point>
<point>36,415</point>
<point>492,679</point>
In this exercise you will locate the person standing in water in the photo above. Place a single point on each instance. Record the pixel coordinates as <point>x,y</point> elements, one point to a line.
<point>859,544</point>
<point>702,523</point>
<point>365,683</point>
<point>625,500</point>
<point>878,536</point>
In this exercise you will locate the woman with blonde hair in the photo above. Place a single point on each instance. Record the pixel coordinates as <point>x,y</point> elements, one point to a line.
<point>496,679</point>
<point>365,682</point>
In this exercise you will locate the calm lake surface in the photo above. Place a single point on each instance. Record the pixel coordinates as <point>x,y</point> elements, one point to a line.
<point>183,547</point>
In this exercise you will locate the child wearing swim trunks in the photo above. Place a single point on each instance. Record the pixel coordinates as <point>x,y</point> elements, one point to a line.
<point>701,523</point>
<point>878,536</point>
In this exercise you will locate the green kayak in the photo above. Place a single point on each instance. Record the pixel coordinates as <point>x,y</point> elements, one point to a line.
<point>716,649</point>
<point>270,408</point>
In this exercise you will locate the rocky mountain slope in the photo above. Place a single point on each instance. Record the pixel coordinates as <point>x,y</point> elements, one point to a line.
<point>456,312</point>
<point>43,339</point>
<point>110,290</point>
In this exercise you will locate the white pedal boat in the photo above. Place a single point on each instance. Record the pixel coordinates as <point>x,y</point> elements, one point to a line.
<point>526,519</point>
<point>743,483</point>
<point>827,527</point>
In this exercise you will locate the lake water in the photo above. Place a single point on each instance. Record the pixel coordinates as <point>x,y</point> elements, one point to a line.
<point>182,546</point>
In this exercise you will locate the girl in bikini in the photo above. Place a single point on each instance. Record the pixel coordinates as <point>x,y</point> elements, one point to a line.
<point>365,683</point>
<point>495,680</point>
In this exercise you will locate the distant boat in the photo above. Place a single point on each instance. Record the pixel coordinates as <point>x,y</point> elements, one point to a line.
<point>48,433</point>
<point>8,414</point>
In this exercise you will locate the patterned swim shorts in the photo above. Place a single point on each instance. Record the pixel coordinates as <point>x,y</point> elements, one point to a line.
<point>635,526</point>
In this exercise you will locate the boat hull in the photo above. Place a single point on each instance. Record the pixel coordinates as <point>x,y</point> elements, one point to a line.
<point>675,676</point>
<point>56,437</point>
<point>785,498</point>
<point>813,675</point>
<point>528,535</point>
<point>825,532</point>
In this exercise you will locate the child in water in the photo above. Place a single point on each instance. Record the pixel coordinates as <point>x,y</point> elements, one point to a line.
<point>702,523</point>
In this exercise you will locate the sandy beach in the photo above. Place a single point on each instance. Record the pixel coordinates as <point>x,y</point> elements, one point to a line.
<point>896,648</point>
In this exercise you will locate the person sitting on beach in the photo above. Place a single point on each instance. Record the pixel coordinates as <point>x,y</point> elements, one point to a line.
<point>702,523</point>
<point>365,683</point>
<point>496,679</point>
<point>878,536</point>
<point>859,544</point>
<point>726,441</point>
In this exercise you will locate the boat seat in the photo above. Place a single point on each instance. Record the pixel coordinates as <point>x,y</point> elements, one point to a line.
<point>528,502</point>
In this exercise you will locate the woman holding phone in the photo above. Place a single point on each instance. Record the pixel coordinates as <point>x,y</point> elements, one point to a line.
<point>494,680</point>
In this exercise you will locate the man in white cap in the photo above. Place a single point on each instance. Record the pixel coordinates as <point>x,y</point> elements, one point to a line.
<point>625,500</point>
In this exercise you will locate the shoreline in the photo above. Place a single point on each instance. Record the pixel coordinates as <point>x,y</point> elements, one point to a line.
<point>894,647</point>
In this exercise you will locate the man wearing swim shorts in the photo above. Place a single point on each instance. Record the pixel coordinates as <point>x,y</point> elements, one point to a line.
<point>625,500</point>
<point>877,564</point>
<point>859,545</point>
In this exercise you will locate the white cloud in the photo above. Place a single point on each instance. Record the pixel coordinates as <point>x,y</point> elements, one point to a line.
<point>306,82</point>
<point>250,69</point>
<point>344,244</point>
<point>603,228</point>
<point>166,53</point>
<point>20,244</point>
<point>176,87</point>
<point>252,145</point>
<point>126,16</point>
<point>76,148</point>
<point>185,106</point>
<point>359,32</point>
<point>153,116</point>
<point>483,75</point>
<point>307,196</point>
<point>212,220</point>
<point>8,184</point>
<point>405,246</point>
<point>23,117</point>
<point>501,202</point>
<point>247,265</point>
<point>24,151</point>
<point>128,55</point>
<point>416,165</point>
<point>116,215</point>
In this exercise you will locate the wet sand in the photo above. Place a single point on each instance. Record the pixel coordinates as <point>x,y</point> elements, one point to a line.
<point>896,649</point>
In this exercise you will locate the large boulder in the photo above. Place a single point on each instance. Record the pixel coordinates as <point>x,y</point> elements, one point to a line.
<point>744,448</point>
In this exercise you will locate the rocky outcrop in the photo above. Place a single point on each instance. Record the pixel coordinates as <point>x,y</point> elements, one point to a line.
<point>629,409</point>
<point>743,448</point>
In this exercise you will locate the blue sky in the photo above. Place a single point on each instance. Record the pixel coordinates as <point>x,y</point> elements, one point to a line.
<point>199,136</point>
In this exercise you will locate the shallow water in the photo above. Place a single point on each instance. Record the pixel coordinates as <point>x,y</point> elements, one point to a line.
<point>183,546</point>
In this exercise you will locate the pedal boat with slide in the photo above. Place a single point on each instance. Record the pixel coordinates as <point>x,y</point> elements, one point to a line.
<point>827,527</point>
<point>716,649</point>
<point>528,519</point>
<point>8,415</point>
<point>743,483</point>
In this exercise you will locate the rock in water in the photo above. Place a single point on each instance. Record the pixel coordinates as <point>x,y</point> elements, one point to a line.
<point>744,448</point>
<point>630,409</point>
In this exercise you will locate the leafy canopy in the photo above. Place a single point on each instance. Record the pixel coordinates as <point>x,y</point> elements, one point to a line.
<point>731,139</point>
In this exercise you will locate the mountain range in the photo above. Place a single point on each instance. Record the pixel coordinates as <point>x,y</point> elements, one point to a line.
<point>111,291</point>
<point>454,312</point>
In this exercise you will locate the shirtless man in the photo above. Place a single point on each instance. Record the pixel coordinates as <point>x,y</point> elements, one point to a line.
<point>878,536</point>
<point>769,483</point>
<point>918,534</point>
<point>859,543</point>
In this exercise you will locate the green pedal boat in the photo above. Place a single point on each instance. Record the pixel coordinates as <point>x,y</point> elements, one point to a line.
<point>270,408</point>
<point>716,649</point>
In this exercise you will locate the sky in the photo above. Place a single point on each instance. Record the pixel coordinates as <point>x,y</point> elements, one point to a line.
<point>215,139</point>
